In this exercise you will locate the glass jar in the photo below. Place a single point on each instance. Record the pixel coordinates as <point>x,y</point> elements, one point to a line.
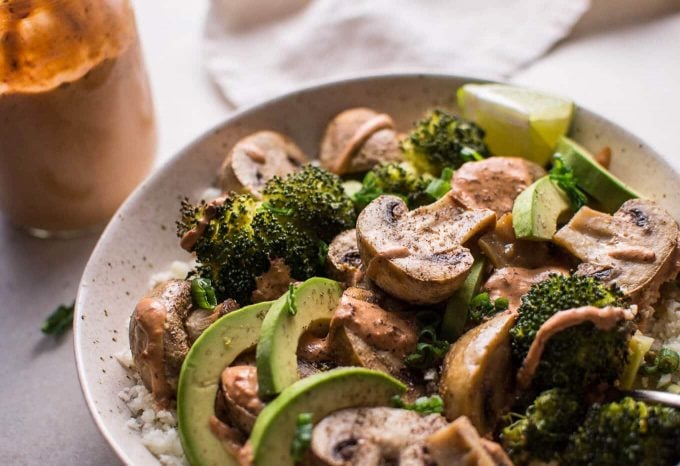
<point>77,130</point>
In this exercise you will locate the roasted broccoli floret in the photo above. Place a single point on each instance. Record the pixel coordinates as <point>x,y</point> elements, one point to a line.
<point>243,235</point>
<point>543,432</point>
<point>397,179</point>
<point>314,198</point>
<point>626,432</point>
<point>579,357</point>
<point>443,140</point>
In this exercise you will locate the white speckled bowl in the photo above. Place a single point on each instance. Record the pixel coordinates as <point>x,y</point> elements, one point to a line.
<point>141,237</point>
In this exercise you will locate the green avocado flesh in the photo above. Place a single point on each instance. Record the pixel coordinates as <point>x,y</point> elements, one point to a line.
<point>215,349</point>
<point>593,178</point>
<point>276,359</point>
<point>537,209</point>
<point>456,312</point>
<point>319,394</point>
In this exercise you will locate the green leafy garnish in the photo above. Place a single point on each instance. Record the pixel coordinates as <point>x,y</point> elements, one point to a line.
<point>430,350</point>
<point>203,294</point>
<point>563,176</point>
<point>370,190</point>
<point>59,321</point>
<point>424,405</point>
<point>290,300</point>
<point>470,155</point>
<point>440,186</point>
<point>666,361</point>
<point>481,307</point>
<point>302,437</point>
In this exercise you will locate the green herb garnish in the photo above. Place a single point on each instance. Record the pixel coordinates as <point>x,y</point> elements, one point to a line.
<point>481,307</point>
<point>290,300</point>
<point>430,350</point>
<point>440,186</point>
<point>302,437</point>
<point>666,361</point>
<point>203,294</point>
<point>563,176</point>
<point>424,405</point>
<point>59,321</point>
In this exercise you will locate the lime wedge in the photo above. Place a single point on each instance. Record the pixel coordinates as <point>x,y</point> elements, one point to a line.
<point>518,122</point>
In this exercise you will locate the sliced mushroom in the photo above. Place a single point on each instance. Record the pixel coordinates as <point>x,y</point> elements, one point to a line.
<point>256,159</point>
<point>504,250</point>
<point>374,437</point>
<point>363,334</point>
<point>418,255</point>
<point>514,282</point>
<point>344,261</point>
<point>158,340</point>
<point>358,139</point>
<point>636,248</point>
<point>241,402</point>
<point>273,283</point>
<point>459,444</point>
<point>477,379</point>
<point>200,319</point>
<point>494,183</point>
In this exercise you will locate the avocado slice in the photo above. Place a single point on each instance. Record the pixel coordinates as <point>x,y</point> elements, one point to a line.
<point>215,349</point>
<point>537,210</point>
<point>319,394</point>
<point>456,312</point>
<point>276,359</point>
<point>593,178</point>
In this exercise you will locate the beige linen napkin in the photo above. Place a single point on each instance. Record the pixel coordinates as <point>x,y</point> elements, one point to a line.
<point>256,49</point>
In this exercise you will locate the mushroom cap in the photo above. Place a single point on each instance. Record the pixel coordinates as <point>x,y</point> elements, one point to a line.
<point>494,183</point>
<point>418,255</point>
<point>239,390</point>
<point>374,436</point>
<point>459,443</point>
<point>344,262</point>
<point>200,319</point>
<point>476,378</point>
<point>636,248</point>
<point>379,144</point>
<point>158,340</point>
<point>256,159</point>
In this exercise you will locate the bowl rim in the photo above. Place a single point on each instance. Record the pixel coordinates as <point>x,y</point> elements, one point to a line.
<point>138,192</point>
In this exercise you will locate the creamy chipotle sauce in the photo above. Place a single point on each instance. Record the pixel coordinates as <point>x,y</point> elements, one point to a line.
<point>77,130</point>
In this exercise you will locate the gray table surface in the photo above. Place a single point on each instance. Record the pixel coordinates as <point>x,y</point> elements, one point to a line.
<point>44,417</point>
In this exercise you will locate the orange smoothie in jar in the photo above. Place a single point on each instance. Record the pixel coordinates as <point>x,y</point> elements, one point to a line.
<point>77,129</point>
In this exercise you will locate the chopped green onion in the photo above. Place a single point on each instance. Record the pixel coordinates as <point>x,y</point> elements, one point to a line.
<point>290,300</point>
<point>369,191</point>
<point>59,321</point>
<point>424,405</point>
<point>471,155</point>
<point>481,307</point>
<point>203,294</point>
<point>666,361</point>
<point>302,437</point>
<point>440,186</point>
